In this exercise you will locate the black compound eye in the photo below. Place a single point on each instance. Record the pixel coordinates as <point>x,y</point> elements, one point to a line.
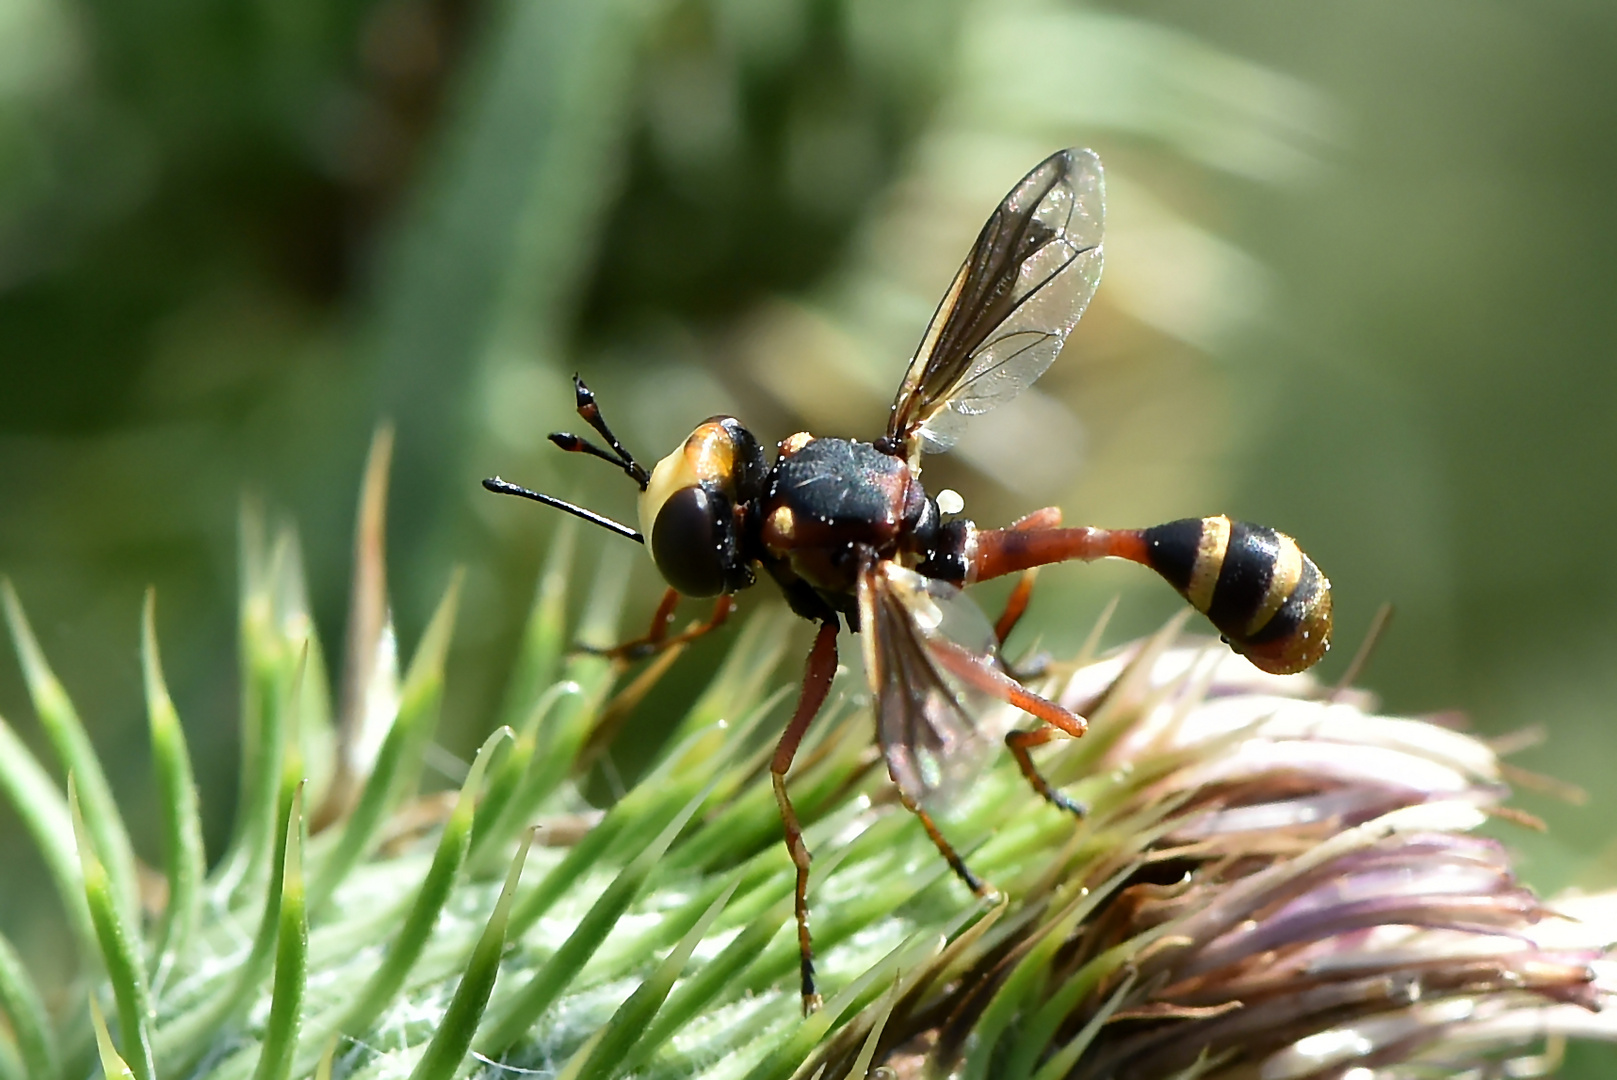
<point>693,541</point>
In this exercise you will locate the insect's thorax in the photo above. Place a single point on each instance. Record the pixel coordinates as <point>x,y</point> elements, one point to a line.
<point>828,504</point>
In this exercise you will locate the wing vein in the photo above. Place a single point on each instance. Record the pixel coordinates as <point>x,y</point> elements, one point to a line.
<point>1060,204</point>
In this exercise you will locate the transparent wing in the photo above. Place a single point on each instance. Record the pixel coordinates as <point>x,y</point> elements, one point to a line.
<point>1022,289</point>
<point>924,718</point>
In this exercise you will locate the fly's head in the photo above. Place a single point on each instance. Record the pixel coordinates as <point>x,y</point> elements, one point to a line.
<point>695,506</point>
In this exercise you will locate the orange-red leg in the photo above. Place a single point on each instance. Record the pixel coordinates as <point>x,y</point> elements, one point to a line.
<point>1046,518</point>
<point>979,672</point>
<point>1020,743</point>
<point>946,849</point>
<point>818,672</point>
<point>723,608</point>
<point>1015,606</point>
<point>656,638</point>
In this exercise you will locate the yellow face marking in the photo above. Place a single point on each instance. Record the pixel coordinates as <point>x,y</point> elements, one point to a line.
<point>1288,569</point>
<point>671,474</point>
<point>707,454</point>
<point>1215,541</point>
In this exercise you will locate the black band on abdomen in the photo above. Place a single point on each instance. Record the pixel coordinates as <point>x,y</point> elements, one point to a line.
<point>1173,550</point>
<point>1245,578</point>
<point>1297,608</point>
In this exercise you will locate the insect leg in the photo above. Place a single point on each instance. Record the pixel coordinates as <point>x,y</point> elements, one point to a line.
<point>980,673</point>
<point>1047,518</point>
<point>1015,605</point>
<point>946,849</point>
<point>656,639</point>
<point>818,672</point>
<point>723,608</point>
<point>1020,743</point>
<point>652,640</point>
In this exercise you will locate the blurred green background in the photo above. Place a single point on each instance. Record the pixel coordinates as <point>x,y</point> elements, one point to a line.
<point>1359,286</point>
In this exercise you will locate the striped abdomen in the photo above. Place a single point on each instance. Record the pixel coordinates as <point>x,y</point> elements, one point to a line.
<point>1266,597</point>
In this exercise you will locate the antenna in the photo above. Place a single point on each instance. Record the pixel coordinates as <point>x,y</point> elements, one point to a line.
<point>575,444</point>
<point>503,487</point>
<point>591,412</point>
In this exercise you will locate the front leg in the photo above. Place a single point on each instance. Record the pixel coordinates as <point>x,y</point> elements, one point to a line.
<point>656,639</point>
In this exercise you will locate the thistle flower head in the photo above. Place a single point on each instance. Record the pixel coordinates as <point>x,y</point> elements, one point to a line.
<point>1274,883</point>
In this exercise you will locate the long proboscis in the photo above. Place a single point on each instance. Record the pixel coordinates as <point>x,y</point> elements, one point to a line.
<point>505,487</point>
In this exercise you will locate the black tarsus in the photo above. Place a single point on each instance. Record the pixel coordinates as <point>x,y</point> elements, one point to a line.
<point>505,487</point>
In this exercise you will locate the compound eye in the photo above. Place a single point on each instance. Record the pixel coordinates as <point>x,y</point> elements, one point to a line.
<point>692,541</point>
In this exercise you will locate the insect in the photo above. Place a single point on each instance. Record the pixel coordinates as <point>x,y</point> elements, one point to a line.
<point>849,534</point>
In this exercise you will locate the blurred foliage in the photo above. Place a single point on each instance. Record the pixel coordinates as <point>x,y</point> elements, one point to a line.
<point>1359,258</point>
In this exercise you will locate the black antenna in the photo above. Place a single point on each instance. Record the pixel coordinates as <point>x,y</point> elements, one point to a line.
<point>574,444</point>
<point>591,412</point>
<point>503,487</point>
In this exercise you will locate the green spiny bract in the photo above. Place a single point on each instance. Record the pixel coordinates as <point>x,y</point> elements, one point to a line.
<point>1270,880</point>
